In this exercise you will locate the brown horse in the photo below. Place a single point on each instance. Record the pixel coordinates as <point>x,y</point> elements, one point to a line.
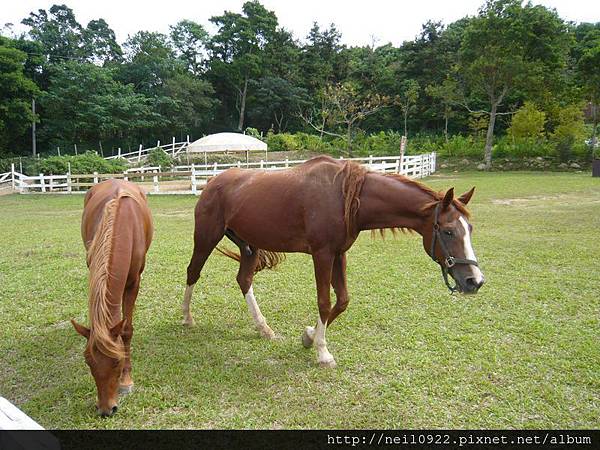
<point>319,208</point>
<point>117,230</point>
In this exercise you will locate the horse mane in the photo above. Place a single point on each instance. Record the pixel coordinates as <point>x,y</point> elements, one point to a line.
<point>437,196</point>
<point>353,177</point>
<point>99,257</point>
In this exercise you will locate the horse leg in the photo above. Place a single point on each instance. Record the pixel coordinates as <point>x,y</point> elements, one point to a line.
<point>338,281</point>
<point>244,278</point>
<point>205,240</point>
<point>323,263</point>
<point>129,297</point>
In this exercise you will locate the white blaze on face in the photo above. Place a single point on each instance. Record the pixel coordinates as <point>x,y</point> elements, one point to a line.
<point>468,249</point>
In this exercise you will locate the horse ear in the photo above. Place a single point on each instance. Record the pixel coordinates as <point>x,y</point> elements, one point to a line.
<point>466,197</point>
<point>84,331</point>
<point>116,331</point>
<point>447,201</point>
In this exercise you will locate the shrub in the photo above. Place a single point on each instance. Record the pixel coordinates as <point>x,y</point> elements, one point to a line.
<point>527,123</point>
<point>466,146</point>
<point>522,147</point>
<point>569,133</point>
<point>282,142</point>
<point>86,163</point>
<point>158,157</point>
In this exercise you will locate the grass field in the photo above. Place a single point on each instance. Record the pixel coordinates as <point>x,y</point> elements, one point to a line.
<point>523,353</point>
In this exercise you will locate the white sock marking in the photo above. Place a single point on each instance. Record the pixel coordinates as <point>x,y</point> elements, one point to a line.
<point>323,355</point>
<point>187,299</point>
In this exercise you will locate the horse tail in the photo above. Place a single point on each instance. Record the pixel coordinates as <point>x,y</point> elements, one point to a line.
<point>99,257</point>
<point>266,259</point>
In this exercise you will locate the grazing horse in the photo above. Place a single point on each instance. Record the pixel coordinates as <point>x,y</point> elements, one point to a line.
<point>319,208</point>
<point>117,230</point>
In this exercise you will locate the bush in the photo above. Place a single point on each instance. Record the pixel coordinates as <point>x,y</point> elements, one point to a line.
<point>87,163</point>
<point>527,123</point>
<point>569,133</point>
<point>466,146</point>
<point>282,142</point>
<point>522,147</point>
<point>158,157</point>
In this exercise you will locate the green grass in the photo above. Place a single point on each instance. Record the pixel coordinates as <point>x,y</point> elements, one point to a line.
<point>524,353</point>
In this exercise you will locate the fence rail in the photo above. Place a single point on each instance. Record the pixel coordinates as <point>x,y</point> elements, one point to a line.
<point>191,179</point>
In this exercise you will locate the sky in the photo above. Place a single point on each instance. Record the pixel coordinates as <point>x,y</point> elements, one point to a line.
<point>361,22</point>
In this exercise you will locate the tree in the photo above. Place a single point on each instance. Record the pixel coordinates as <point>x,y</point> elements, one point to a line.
<point>236,49</point>
<point>58,32</point>
<point>447,94</point>
<point>277,100</point>
<point>509,49</point>
<point>84,104</point>
<point>16,92</point>
<point>588,67</point>
<point>99,44</point>
<point>408,99</point>
<point>343,107</point>
<point>190,39</point>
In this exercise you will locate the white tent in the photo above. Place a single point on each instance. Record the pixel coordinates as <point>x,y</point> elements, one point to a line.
<point>227,142</point>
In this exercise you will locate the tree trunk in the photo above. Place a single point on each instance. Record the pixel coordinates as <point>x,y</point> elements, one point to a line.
<point>405,120</point>
<point>243,106</point>
<point>446,126</point>
<point>489,138</point>
<point>349,140</point>
<point>594,126</point>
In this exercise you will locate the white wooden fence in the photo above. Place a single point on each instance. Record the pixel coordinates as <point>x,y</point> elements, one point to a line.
<point>191,179</point>
<point>172,149</point>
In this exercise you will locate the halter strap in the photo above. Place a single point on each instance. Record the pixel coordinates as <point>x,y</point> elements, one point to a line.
<point>449,260</point>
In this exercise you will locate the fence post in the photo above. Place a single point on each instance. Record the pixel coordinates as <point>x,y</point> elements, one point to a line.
<point>69,187</point>
<point>287,162</point>
<point>173,148</point>
<point>140,153</point>
<point>239,164</point>
<point>402,151</point>
<point>42,185</point>
<point>12,176</point>
<point>119,155</point>
<point>158,143</point>
<point>215,168</point>
<point>125,177</point>
<point>193,180</point>
<point>261,163</point>
<point>51,183</point>
<point>155,180</point>
<point>370,161</point>
<point>421,168</point>
<point>95,177</point>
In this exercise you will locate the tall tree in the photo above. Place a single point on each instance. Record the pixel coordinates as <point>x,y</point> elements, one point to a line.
<point>407,99</point>
<point>16,92</point>
<point>189,39</point>
<point>58,31</point>
<point>236,49</point>
<point>99,44</point>
<point>507,48</point>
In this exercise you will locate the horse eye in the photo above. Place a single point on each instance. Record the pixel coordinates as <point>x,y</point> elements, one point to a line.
<point>448,233</point>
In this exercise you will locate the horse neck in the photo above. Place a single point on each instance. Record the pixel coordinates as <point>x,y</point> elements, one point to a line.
<point>386,202</point>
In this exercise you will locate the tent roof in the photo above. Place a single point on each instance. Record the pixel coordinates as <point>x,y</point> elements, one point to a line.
<point>222,142</point>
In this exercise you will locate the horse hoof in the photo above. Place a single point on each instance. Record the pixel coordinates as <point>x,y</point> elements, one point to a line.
<point>188,322</point>
<point>330,364</point>
<point>308,337</point>
<point>125,389</point>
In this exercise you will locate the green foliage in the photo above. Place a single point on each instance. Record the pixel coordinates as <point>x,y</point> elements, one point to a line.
<point>16,93</point>
<point>157,157</point>
<point>86,163</point>
<point>570,133</point>
<point>523,147</point>
<point>282,142</point>
<point>527,123</point>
